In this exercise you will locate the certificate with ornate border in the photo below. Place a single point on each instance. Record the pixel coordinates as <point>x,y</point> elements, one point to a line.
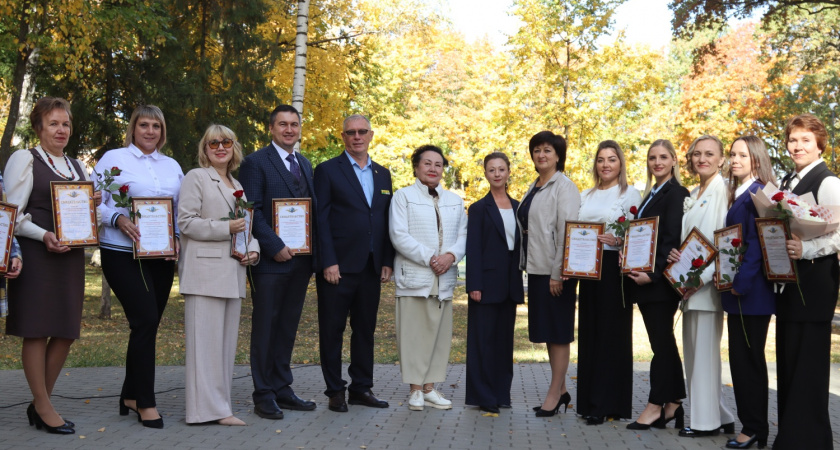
<point>583,252</point>
<point>8,215</point>
<point>292,222</point>
<point>74,213</point>
<point>640,245</point>
<point>726,268</point>
<point>695,245</point>
<point>155,219</point>
<point>239,241</point>
<point>772,233</point>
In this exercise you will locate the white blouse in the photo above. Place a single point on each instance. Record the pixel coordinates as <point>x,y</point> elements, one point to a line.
<point>607,205</point>
<point>153,175</point>
<point>19,181</point>
<point>509,221</point>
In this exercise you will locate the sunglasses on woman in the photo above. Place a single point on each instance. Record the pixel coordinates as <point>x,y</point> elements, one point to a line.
<point>226,143</point>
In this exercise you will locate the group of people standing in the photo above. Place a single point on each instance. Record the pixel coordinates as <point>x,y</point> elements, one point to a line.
<point>363,234</point>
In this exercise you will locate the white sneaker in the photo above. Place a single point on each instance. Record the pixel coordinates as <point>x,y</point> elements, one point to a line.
<point>415,400</point>
<point>435,400</point>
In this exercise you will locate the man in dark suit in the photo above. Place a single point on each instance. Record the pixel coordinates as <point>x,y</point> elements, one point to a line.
<point>354,194</point>
<point>282,276</point>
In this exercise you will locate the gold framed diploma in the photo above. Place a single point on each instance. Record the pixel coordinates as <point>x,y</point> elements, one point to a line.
<point>8,215</point>
<point>239,241</point>
<point>155,219</point>
<point>583,252</point>
<point>292,223</point>
<point>74,213</point>
<point>695,246</point>
<point>726,270</point>
<point>772,233</point>
<point>640,245</point>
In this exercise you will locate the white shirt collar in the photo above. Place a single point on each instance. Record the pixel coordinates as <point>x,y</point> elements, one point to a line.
<point>139,153</point>
<point>807,169</point>
<point>280,150</point>
<point>744,186</point>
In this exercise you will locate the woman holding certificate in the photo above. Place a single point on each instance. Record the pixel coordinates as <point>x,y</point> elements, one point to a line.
<point>494,283</point>
<point>212,302</point>
<point>550,201</point>
<point>142,288</point>
<point>428,229</point>
<point>803,324</point>
<point>605,318</point>
<point>750,302</point>
<point>705,209</point>
<point>45,305</point>
<point>656,298</point>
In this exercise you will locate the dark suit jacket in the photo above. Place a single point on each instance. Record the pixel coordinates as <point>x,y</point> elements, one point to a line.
<point>264,177</point>
<point>756,293</point>
<point>348,226</point>
<point>668,205</point>
<point>491,268</point>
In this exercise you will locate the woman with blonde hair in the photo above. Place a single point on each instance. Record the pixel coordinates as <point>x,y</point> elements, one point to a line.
<point>605,317</point>
<point>212,303</point>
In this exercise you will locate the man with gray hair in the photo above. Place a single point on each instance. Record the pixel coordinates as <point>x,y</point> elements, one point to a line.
<point>354,195</point>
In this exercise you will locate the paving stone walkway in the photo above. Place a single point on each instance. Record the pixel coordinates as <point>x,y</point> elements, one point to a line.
<point>89,397</point>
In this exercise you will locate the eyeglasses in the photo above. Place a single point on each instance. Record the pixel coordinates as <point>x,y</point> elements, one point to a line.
<point>226,143</point>
<point>352,133</point>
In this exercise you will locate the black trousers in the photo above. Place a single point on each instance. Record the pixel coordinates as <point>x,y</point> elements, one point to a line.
<point>356,295</point>
<point>749,371</point>
<point>489,352</point>
<point>278,301</point>
<point>666,373</point>
<point>143,309</point>
<point>803,363</point>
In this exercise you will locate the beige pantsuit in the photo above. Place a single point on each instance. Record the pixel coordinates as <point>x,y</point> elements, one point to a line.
<point>212,328</point>
<point>424,338</point>
<point>702,331</point>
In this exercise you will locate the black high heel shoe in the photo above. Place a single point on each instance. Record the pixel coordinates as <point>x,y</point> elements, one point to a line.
<point>728,428</point>
<point>565,399</point>
<point>35,419</point>
<point>733,443</point>
<point>30,414</point>
<point>679,417</point>
<point>153,423</point>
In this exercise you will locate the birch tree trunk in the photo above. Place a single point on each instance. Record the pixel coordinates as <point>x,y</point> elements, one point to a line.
<point>301,39</point>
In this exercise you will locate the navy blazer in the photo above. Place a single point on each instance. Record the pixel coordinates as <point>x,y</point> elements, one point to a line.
<point>350,229</point>
<point>491,267</point>
<point>668,205</point>
<point>756,293</point>
<point>264,177</point>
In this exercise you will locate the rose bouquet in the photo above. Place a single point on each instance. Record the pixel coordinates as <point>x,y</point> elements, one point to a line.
<point>805,217</point>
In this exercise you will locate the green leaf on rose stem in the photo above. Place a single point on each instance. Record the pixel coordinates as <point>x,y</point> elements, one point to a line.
<point>726,278</point>
<point>231,215</point>
<point>112,187</point>
<point>682,278</point>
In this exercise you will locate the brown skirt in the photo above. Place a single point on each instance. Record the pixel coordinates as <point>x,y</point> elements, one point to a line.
<point>46,299</point>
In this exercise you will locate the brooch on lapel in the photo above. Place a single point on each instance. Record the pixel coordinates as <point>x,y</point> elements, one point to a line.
<point>385,192</point>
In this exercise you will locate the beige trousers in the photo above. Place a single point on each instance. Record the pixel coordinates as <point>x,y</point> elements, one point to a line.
<point>424,338</point>
<point>702,331</point>
<point>212,328</point>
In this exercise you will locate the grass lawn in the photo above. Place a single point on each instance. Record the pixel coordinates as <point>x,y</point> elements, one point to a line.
<point>103,342</point>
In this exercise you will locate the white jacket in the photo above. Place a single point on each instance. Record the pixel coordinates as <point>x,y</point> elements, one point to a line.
<point>414,234</point>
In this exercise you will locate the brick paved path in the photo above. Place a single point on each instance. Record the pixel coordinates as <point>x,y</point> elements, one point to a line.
<point>90,400</point>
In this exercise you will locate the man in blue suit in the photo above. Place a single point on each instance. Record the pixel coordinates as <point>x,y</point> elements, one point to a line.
<point>354,194</point>
<point>281,277</point>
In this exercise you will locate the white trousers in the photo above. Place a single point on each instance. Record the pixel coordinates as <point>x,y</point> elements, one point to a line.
<point>424,338</point>
<point>702,331</point>
<point>212,328</point>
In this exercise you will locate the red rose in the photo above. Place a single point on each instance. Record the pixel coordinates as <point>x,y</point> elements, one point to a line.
<point>791,202</point>
<point>115,170</point>
<point>814,213</point>
<point>124,189</point>
<point>633,210</point>
<point>621,219</point>
<point>697,263</point>
<point>778,196</point>
<point>239,193</point>
<point>736,243</point>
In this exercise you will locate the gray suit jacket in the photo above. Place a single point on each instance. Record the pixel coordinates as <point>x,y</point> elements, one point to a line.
<point>206,267</point>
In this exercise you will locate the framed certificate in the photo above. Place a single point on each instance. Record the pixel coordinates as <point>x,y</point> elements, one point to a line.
<point>239,241</point>
<point>292,222</point>
<point>583,252</point>
<point>695,245</point>
<point>155,218</point>
<point>8,215</point>
<point>640,245</point>
<point>725,270</point>
<point>772,233</point>
<point>74,213</point>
